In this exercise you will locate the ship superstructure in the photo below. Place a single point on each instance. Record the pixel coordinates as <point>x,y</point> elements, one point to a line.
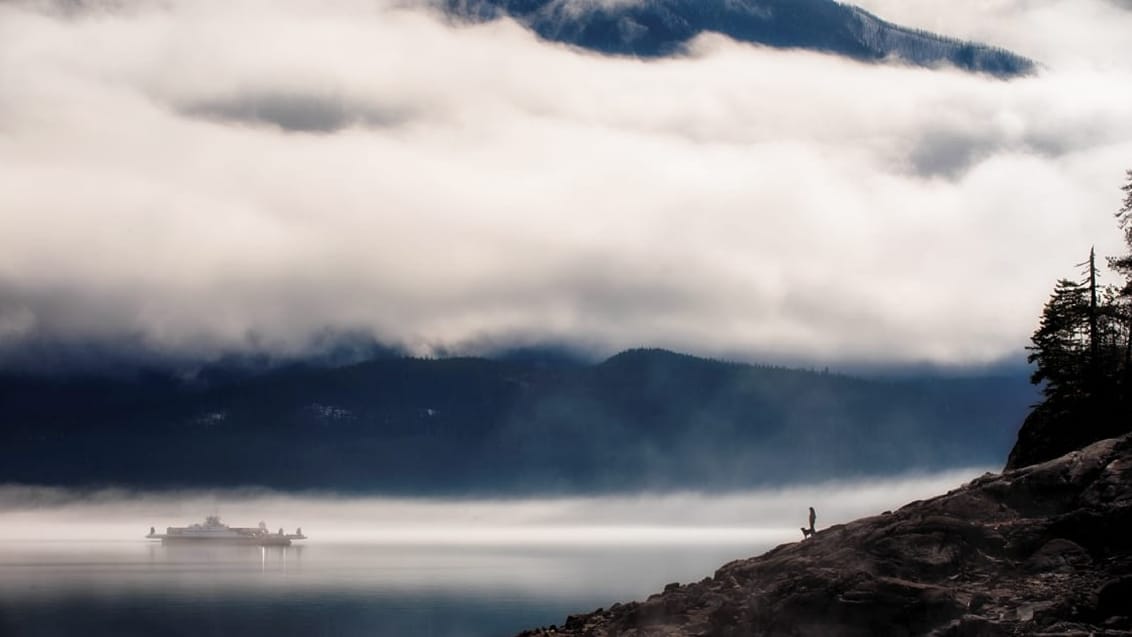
<point>213,530</point>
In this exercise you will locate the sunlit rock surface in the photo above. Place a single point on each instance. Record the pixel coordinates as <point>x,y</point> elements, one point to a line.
<point>1046,549</point>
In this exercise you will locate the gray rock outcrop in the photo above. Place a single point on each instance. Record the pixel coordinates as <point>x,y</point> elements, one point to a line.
<point>1041,550</point>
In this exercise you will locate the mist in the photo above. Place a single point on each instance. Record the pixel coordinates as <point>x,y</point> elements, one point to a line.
<point>763,517</point>
<point>374,168</point>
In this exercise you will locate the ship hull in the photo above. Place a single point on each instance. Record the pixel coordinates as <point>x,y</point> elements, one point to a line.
<point>243,541</point>
<point>214,532</point>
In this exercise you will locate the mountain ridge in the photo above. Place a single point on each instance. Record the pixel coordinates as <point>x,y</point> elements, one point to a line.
<point>642,419</point>
<point>657,28</point>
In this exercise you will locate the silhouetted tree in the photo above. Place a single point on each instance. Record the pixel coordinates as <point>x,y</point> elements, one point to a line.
<point>1124,215</point>
<point>1122,301</point>
<point>1123,265</point>
<point>1061,347</point>
<point>1082,352</point>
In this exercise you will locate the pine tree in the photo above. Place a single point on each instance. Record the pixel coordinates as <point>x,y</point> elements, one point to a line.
<point>1061,346</point>
<point>1123,264</point>
<point>1082,352</point>
<point>1122,302</point>
<point>1124,215</point>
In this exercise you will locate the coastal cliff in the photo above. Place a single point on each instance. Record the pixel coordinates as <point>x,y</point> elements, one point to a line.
<point>1043,549</point>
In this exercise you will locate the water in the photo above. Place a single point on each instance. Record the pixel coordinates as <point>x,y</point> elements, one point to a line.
<point>75,563</point>
<point>134,588</point>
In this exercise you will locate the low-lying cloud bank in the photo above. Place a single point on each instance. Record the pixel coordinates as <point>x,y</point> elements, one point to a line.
<point>770,515</point>
<point>194,178</point>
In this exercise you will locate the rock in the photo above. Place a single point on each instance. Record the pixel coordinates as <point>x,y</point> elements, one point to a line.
<point>1044,549</point>
<point>1047,434</point>
<point>973,626</point>
<point>1118,622</point>
<point>978,602</point>
<point>1114,599</point>
<point>1058,555</point>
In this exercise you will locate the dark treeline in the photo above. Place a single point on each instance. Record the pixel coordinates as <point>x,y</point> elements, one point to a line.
<point>664,27</point>
<point>639,420</point>
<point>1082,352</point>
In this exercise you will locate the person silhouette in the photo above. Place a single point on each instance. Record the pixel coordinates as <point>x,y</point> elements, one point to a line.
<point>813,519</point>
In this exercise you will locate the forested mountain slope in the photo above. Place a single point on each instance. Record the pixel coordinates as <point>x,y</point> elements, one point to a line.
<point>642,419</point>
<point>661,27</point>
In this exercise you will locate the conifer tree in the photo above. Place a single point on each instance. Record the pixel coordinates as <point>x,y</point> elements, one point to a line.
<point>1122,303</point>
<point>1060,349</point>
<point>1082,352</point>
<point>1123,264</point>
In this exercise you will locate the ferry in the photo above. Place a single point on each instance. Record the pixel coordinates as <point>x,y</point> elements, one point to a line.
<point>214,531</point>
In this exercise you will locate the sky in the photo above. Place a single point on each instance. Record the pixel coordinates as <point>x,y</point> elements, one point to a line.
<point>195,178</point>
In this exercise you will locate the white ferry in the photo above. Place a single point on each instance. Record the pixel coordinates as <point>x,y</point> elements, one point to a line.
<point>213,531</point>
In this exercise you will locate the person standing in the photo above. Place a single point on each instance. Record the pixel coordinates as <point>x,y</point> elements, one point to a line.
<point>813,520</point>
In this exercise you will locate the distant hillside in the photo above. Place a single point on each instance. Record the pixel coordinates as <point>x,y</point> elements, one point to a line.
<point>660,27</point>
<point>642,419</point>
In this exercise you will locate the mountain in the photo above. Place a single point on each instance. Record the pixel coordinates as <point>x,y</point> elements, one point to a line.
<point>641,419</point>
<point>651,28</point>
<point>1040,550</point>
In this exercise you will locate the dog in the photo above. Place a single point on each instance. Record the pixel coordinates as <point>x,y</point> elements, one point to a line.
<point>813,519</point>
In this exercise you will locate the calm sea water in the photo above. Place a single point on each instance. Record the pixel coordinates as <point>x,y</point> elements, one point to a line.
<point>140,588</point>
<point>75,563</point>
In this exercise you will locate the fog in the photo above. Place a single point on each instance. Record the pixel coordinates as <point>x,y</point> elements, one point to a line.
<point>76,561</point>
<point>763,517</point>
<point>1062,34</point>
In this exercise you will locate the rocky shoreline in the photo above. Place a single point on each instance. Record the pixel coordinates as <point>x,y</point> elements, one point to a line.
<point>1040,550</point>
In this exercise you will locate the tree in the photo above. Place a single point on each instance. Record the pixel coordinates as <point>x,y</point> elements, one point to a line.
<point>1082,352</point>
<point>1061,346</point>
<point>1124,215</point>
<point>1123,265</point>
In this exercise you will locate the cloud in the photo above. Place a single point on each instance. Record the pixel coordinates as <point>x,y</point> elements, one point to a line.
<point>201,177</point>
<point>1061,33</point>
<point>47,513</point>
<point>293,112</point>
<point>380,548</point>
